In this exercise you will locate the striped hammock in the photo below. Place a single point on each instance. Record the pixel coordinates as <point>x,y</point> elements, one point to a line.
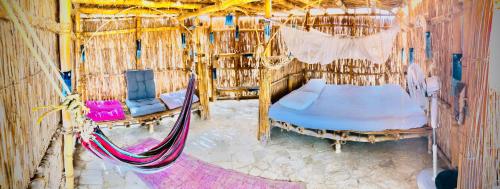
<point>158,157</point>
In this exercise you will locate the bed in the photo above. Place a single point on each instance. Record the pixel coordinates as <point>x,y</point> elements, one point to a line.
<point>351,113</point>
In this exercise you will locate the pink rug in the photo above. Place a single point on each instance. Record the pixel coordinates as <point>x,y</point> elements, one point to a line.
<point>189,172</point>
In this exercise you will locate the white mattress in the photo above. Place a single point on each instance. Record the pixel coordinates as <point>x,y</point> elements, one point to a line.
<point>357,108</point>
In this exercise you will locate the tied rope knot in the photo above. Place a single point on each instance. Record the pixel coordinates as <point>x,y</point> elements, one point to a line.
<point>272,62</point>
<point>71,103</point>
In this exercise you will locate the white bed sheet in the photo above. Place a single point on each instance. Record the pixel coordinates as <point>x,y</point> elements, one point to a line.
<point>357,108</point>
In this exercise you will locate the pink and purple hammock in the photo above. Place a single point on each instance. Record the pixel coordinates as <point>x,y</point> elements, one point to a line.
<point>156,158</point>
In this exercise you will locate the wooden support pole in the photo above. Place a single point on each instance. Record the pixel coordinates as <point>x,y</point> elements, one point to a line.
<point>264,131</point>
<point>202,72</point>
<point>213,68</point>
<point>66,65</point>
<point>264,103</point>
<point>140,3</point>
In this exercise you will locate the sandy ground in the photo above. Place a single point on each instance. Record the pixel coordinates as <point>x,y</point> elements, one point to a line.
<point>228,139</point>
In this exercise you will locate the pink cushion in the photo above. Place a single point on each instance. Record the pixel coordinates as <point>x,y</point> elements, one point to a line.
<point>105,110</point>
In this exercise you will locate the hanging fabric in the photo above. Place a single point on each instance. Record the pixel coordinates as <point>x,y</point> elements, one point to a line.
<point>212,38</point>
<point>416,85</point>
<point>316,47</point>
<point>82,49</point>
<point>428,47</point>
<point>138,50</point>
<point>67,80</point>
<point>183,40</point>
<point>411,55</point>
<point>229,20</point>
<point>237,33</point>
<point>267,31</point>
<point>153,160</point>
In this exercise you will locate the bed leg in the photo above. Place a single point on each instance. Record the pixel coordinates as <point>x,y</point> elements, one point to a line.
<point>429,144</point>
<point>337,147</point>
<point>151,128</point>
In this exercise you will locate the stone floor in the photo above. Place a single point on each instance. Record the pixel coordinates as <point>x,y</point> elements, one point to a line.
<point>228,139</point>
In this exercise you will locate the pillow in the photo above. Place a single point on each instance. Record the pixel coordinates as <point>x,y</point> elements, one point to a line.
<point>314,85</point>
<point>298,100</point>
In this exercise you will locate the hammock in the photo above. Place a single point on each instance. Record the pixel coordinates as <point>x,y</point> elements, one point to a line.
<point>158,157</point>
<point>316,47</point>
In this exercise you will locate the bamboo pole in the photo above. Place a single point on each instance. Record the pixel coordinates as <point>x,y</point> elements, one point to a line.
<point>140,3</point>
<point>123,11</point>
<point>214,8</point>
<point>268,8</point>
<point>66,65</point>
<point>265,91</point>
<point>125,31</point>
<point>79,64</point>
<point>3,14</point>
<point>202,74</point>
<point>213,69</point>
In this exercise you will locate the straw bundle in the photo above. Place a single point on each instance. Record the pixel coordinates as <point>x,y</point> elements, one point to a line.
<point>23,144</point>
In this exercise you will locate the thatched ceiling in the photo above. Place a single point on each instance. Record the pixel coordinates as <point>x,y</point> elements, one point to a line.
<point>189,8</point>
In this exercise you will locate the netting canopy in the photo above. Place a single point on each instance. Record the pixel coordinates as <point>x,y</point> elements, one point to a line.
<point>316,47</point>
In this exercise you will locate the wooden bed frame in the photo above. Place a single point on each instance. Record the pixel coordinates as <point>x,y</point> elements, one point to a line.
<point>358,136</point>
<point>266,123</point>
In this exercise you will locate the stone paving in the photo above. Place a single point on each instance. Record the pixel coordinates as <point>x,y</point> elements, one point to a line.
<point>228,139</point>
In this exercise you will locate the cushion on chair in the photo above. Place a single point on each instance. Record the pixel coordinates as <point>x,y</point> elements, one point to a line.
<point>105,110</point>
<point>140,84</point>
<point>176,99</point>
<point>145,106</point>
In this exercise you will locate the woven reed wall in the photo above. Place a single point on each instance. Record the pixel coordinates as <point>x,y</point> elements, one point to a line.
<point>234,70</point>
<point>23,86</point>
<point>463,28</point>
<point>162,51</point>
<point>479,158</point>
<point>109,56</point>
<point>286,79</point>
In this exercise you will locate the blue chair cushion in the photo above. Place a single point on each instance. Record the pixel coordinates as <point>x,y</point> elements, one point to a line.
<point>145,106</point>
<point>140,84</point>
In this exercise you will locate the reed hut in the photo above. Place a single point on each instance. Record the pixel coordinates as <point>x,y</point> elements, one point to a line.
<point>129,63</point>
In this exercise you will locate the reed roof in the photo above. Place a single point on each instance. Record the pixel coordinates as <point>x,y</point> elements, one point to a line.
<point>191,8</point>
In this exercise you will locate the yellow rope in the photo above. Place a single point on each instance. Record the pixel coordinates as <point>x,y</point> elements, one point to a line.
<point>71,103</point>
